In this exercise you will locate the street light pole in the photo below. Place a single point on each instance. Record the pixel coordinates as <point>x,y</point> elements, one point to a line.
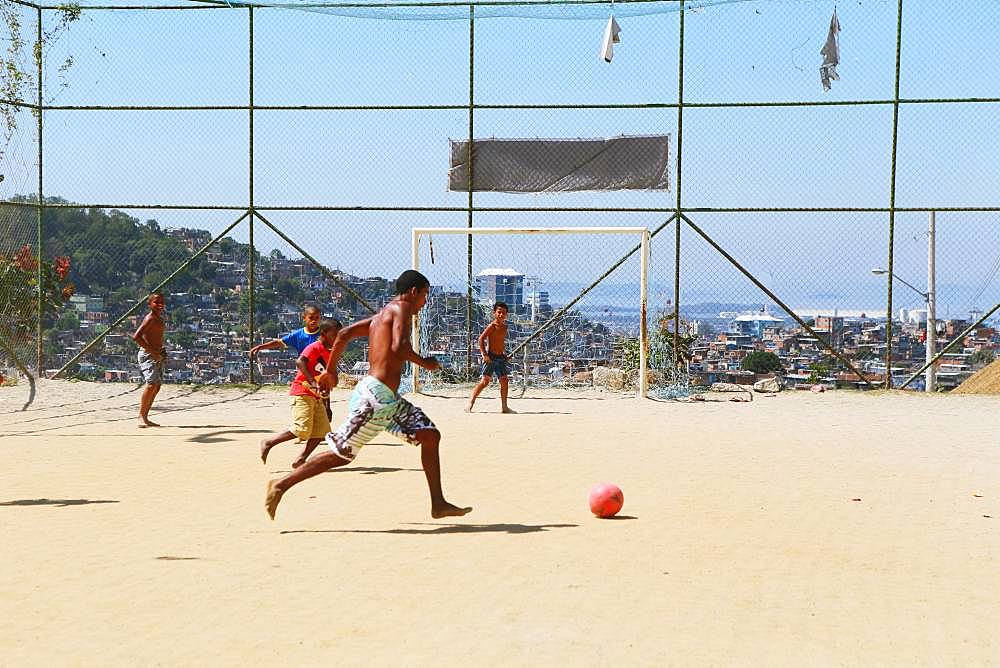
<point>931,343</point>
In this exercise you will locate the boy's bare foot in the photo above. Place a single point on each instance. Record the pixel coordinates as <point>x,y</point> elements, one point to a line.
<point>448,510</point>
<point>272,498</point>
<point>146,422</point>
<point>264,449</point>
<point>508,410</point>
<point>468,407</point>
<point>298,462</point>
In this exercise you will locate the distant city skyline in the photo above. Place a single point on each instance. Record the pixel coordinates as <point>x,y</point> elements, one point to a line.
<point>753,51</point>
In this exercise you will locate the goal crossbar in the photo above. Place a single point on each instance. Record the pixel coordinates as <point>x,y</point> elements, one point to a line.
<point>642,232</point>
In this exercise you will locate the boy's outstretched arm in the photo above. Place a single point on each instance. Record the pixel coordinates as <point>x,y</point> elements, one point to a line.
<point>269,345</point>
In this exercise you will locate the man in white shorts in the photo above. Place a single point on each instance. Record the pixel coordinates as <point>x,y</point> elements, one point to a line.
<point>375,405</point>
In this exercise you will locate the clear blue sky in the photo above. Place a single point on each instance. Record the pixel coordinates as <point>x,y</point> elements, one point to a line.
<point>948,155</point>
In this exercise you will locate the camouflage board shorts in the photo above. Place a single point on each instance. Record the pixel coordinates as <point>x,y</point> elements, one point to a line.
<point>152,371</point>
<point>375,408</point>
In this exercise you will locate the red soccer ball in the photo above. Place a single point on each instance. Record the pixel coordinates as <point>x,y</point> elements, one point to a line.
<point>606,499</point>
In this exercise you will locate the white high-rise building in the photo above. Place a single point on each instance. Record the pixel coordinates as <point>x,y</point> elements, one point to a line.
<point>501,285</point>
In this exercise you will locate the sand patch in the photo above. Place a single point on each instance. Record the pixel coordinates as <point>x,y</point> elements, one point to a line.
<point>841,528</point>
<point>984,381</point>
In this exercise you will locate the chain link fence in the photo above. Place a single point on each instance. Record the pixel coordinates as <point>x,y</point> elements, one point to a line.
<point>248,159</point>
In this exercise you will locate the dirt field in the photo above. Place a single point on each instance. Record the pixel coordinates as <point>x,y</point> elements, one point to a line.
<point>819,529</point>
<point>984,381</point>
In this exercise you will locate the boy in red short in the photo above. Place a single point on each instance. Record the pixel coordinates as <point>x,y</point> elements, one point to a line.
<point>309,417</point>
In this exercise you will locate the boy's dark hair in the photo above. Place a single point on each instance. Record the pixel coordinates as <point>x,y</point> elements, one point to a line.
<point>411,279</point>
<point>153,295</point>
<point>311,307</point>
<point>327,325</point>
<point>502,305</point>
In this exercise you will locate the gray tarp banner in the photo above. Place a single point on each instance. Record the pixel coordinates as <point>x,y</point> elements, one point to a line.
<point>561,165</point>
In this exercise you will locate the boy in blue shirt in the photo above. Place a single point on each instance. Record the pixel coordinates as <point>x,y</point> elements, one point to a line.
<point>298,339</point>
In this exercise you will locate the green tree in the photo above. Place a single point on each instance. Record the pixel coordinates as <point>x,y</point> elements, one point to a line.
<point>17,72</point>
<point>662,340</point>
<point>263,305</point>
<point>983,356</point>
<point>630,355</point>
<point>760,361</point>
<point>112,249</point>
<point>269,330</point>
<point>69,320</point>
<point>819,371</point>
<point>290,290</point>
<point>183,336</point>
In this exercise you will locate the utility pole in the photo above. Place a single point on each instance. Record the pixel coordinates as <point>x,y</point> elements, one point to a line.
<point>930,344</point>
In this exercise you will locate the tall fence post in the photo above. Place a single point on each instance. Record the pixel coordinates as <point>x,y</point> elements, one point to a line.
<point>472,102</point>
<point>251,269</point>
<point>39,232</point>
<point>931,342</point>
<point>892,201</point>
<point>677,213</point>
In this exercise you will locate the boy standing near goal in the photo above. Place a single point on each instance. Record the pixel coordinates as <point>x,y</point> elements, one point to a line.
<point>491,346</point>
<point>375,405</point>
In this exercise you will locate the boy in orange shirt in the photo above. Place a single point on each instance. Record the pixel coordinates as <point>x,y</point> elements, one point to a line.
<point>309,418</point>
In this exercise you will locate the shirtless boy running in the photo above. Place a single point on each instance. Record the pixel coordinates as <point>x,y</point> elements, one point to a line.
<point>375,405</point>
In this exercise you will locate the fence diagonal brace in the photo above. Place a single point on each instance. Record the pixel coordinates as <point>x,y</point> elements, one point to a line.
<point>326,272</point>
<point>558,314</point>
<point>139,303</point>
<point>951,345</point>
<point>826,344</point>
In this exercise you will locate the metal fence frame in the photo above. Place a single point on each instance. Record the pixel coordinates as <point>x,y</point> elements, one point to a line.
<point>677,213</point>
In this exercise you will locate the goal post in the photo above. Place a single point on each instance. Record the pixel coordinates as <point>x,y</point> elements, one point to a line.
<point>642,233</point>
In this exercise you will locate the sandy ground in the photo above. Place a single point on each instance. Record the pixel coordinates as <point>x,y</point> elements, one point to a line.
<point>840,528</point>
<point>984,381</point>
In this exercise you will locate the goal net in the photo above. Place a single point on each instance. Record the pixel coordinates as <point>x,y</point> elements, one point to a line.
<point>576,298</point>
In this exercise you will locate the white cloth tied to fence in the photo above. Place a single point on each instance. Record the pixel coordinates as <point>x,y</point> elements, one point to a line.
<point>611,32</point>
<point>561,165</point>
<point>831,54</point>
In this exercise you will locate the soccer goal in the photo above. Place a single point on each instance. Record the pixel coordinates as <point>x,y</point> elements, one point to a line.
<point>573,305</point>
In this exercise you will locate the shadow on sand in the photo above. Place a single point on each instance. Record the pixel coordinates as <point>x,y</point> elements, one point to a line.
<point>522,412</point>
<point>370,470</point>
<point>216,436</point>
<point>448,528</point>
<point>158,413</point>
<point>59,503</point>
<point>364,470</point>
